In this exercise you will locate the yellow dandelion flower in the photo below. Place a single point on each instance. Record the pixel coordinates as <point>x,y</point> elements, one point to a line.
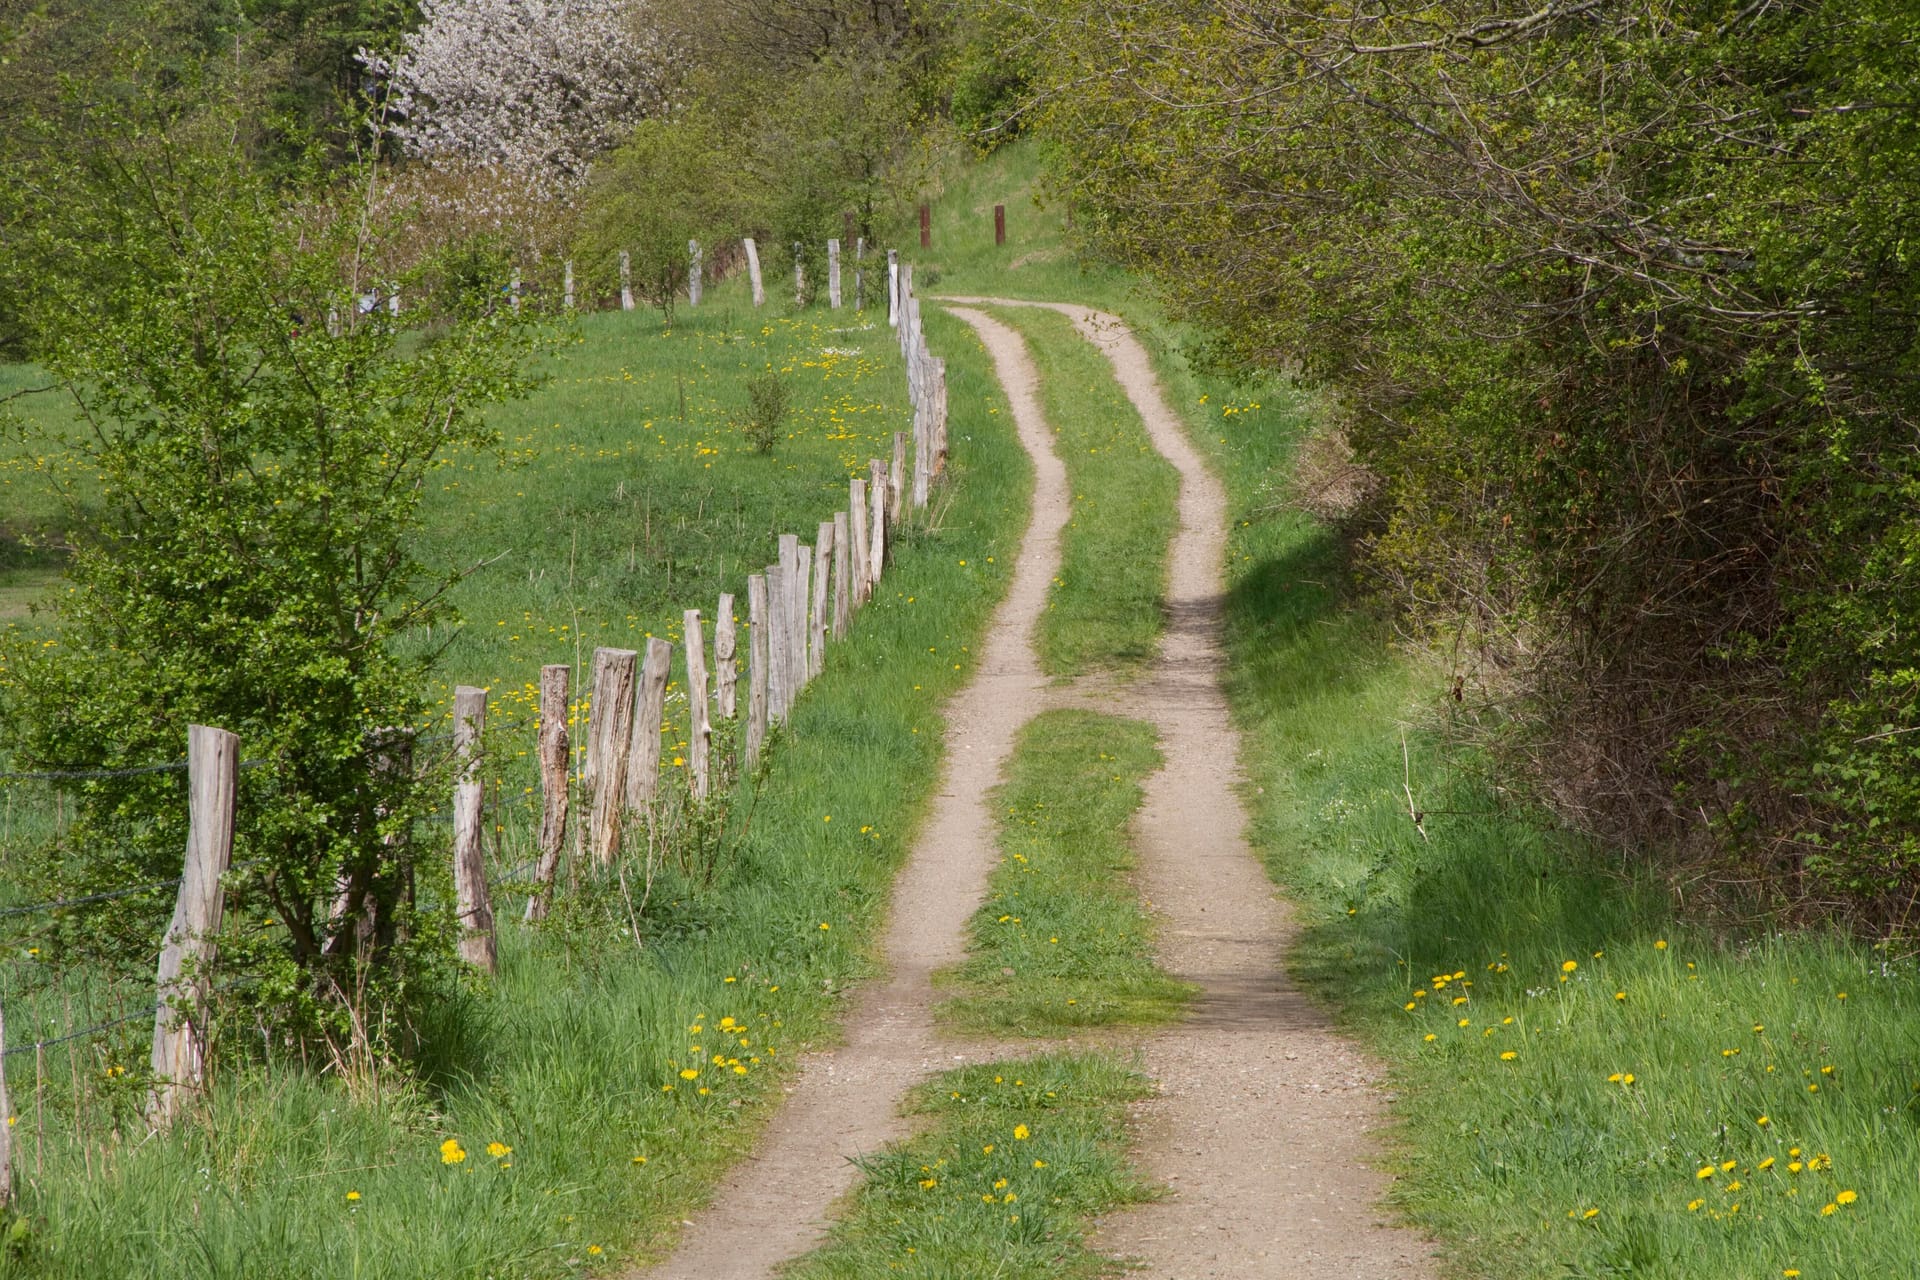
<point>1847,1197</point>
<point>498,1149</point>
<point>451,1152</point>
<point>352,1196</point>
<point>1020,1133</point>
<point>1569,966</point>
<point>1508,1056</point>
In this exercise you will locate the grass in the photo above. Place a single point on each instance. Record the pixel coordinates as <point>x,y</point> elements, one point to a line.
<point>575,1058</point>
<point>1568,1059</point>
<point>1016,1159</point>
<point>1061,942</point>
<point>1106,608</point>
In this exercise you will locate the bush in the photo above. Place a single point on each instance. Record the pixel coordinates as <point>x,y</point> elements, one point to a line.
<point>768,398</point>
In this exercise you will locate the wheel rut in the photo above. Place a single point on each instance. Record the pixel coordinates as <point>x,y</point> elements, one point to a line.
<point>1261,1130</point>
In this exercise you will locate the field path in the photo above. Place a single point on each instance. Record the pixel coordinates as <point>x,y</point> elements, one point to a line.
<point>1261,1130</point>
<point>845,1102</point>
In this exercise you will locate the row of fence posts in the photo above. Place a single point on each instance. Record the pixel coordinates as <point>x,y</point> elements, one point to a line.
<point>804,602</point>
<point>696,276</point>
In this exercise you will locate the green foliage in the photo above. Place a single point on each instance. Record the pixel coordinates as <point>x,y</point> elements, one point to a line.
<point>260,448</point>
<point>670,183</point>
<point>1062,941</point>
<point>1617,305</point>
<point>1018,1159</point>
<point>768,395</point>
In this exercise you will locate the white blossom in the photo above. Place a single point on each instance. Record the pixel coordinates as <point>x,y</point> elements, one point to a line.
<point>536,88</point>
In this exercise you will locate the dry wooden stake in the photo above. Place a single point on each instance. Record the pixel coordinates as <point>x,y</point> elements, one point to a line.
<point>567,283</point>
<point>860,274</point>
<point>799,274</point>
<point>893,288</point>
<point>779,696</point>
<point>802,625</point>
<point>626,282</point>
<point>922,460</point>
<point>753,271</point>
<point>188,950</point>
<point>726,671</point>
<point>611,732</point>
<point>876,524</point>
<point>472,903</point>
<point>694,273</point>
<point>556,795</point>
<point>757,628</point>
<point>650,709</point>
<point>897,478</point>
<point>820,616</point>
<point>833,274</point>
<point>791,627</point>
<point>857,531</point>
<point>699,728</point>
<point>842,589</point>
<point>595,745</point>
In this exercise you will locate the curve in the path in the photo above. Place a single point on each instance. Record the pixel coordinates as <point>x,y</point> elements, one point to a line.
<point>845,1101</point>
<point>1261,1129</point>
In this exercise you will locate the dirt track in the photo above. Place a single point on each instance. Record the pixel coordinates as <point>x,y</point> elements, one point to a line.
<point>1261,1129</point>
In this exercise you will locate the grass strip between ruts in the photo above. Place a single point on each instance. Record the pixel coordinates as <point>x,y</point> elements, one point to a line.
<point>1106,609</point>
<point>1019,1156</point>
<point>1062,941</point>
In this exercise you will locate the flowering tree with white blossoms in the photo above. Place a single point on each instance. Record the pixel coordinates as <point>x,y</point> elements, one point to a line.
<point>532,89</point>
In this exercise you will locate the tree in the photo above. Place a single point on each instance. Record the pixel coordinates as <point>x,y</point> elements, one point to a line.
<point>262,428</point>
<point>534,88</point>
<point>668,184</point>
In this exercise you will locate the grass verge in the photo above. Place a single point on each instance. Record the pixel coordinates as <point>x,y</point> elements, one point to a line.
<point>1061,941</point>
<point>1106,608</point>
<point>1018,1157</point>
<point>553,1129</point>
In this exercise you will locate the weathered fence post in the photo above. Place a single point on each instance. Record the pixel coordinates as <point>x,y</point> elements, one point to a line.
<point>893,288</point>
<point>650,705</point>
<point>753,271</point>
<point>803,581</point>
<point>937,407</point>
<point>999,224</point>
<point>897,479</point>
<point>926,225</point>
<point>6,1122</point>
<point>556,794</point>
<point>188,948</point>
<point>876,524</point>
<point>833,274</point>
<point>777,596</point>
<point>820,617</point>
<point>799,274</point>
<point>695,277</point>
<point>626,282</point>
<point>611,741</point>
<point>922,458</point>
<point>860,274</point>
<point>472,902</point>
<point>757,628</point>
<point>792,588</point>
<point>857,528</point>
<point>699,727</point>
<point>726,670</point>
<point>567,283</point>
<point>842,589</point>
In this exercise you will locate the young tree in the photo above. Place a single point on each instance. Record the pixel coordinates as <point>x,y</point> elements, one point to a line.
<point>262,429</point>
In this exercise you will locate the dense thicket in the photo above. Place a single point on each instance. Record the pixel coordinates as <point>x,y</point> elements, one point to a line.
<point>1617,301</point>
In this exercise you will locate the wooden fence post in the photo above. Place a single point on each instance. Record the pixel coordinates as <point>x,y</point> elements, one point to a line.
<point>820,616</point>
<point>188,948</point>
<point>726,670</point>
<point>753,271</point>
<point>556,794</point>
<point>922,458</point>
<point>590,758</point>
<point>893,288</point>
<point>897,479</point>
<point>611,736</point>
<point>776,646</point>
<point>803,596</point>
<point>699,728</point>
<point>695,277</point>
<point>842,589</point>
<point>860,274</point>
<point>626,282</point>
<point>937,406</point>
<point>876,524</point>
<point>857,528</point>
<point>650,706</point>
<point>794,583</point>
<point>567,283</point>
<point>799,274</point>
<point>833,274</point>
<point>926,225</point>
<point>999,224</point>
<point>756,666</point>
<point>471,899</point>
<point>6,1123</point>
